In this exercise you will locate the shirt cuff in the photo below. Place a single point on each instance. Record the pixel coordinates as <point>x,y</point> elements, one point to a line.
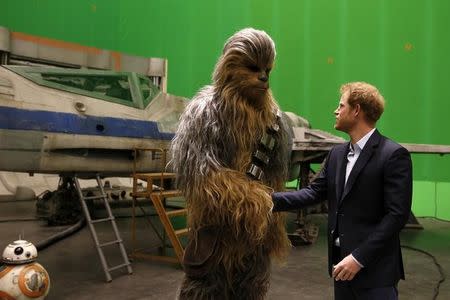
<point>356,261</point>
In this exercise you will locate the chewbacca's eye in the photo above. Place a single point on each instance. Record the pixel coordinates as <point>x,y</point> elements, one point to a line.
<point>253,68</point>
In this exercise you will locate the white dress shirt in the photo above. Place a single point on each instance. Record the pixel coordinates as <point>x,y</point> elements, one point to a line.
<point>355,151</point>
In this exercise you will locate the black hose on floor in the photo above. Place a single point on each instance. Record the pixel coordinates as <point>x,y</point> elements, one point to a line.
<point>438,265</point>
<point>61,235</point>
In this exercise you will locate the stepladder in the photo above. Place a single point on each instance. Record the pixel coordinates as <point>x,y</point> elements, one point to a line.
<point>92,223</point>
<point>158,197</point>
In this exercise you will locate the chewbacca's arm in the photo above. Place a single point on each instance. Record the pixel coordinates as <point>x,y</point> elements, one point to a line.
<point>229,198</point>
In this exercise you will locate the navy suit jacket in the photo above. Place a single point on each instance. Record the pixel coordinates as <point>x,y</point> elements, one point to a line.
<point>368,213</point>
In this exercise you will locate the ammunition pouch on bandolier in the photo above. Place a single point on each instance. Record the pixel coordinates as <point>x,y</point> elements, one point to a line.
<point>264,152</point>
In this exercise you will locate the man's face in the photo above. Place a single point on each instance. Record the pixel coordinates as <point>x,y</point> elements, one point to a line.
<point>345,115</point>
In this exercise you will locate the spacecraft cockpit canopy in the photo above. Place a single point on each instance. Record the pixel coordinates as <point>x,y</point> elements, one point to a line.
<point>117,87</point>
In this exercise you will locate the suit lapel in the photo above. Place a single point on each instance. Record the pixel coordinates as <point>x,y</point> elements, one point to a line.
<point>363,159</point>
<point>340,169</point>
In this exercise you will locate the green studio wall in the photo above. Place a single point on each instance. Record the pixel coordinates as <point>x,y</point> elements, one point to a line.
<point>401,46</point>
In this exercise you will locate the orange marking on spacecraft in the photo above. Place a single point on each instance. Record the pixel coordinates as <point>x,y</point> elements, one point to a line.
<point>54,43</point>
<point>117,60</point>
<point>116,56</point>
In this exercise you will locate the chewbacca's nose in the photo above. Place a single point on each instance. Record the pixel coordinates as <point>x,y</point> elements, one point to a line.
<point>263,77</point>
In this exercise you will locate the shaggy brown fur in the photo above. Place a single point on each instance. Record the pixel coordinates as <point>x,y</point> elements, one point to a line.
<point>234,233</point>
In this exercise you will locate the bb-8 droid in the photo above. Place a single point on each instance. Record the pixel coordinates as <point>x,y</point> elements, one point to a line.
<point>21,278</point>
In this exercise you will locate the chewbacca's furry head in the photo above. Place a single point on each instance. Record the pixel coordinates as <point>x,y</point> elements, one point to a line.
<point>245,65</point>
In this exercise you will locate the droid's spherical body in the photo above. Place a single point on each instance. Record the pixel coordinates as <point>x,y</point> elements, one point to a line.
<point>20,277</point>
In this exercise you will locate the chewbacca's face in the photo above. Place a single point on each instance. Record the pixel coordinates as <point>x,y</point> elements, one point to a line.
<point>245,64</point>
<point>251,79</point>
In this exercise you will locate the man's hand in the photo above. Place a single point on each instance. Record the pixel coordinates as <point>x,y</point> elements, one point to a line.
<point>346,269</point>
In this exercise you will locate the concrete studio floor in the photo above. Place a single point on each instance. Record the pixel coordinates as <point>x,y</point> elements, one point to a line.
<point>76,273</point>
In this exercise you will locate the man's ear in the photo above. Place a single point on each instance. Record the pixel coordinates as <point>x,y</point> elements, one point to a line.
<point>357,110</point>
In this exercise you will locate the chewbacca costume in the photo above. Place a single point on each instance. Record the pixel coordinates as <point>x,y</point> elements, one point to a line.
<point>230,152</point>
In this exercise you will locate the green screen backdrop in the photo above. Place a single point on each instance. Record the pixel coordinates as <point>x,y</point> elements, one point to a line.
<point>401,46</point>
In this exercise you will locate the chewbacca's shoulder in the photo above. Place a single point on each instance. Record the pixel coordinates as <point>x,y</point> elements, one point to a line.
<point>201,101</point>
<point>204,94</point>
<point>200,104</point>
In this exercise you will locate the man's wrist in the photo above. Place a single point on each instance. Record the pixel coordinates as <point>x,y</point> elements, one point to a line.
<point>356,261</point>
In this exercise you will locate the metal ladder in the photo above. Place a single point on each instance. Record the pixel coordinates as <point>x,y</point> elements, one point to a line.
<point>111,219</point>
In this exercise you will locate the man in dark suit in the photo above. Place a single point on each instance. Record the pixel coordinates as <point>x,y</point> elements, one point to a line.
<point>368,185</point>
